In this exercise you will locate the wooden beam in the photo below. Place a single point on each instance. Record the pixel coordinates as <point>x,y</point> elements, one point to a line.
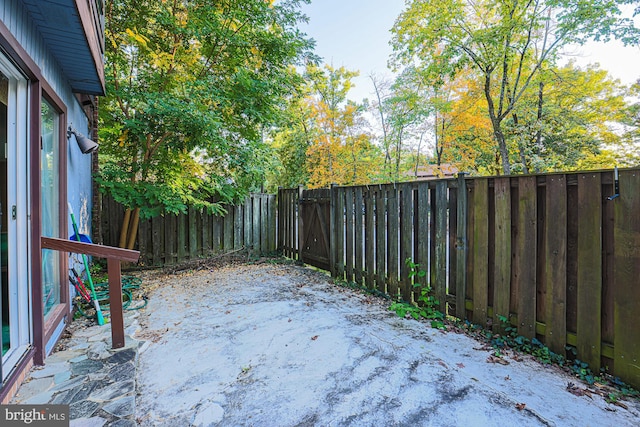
<point>99,251</point>
<point>115,303</point>
<point>114,256</point>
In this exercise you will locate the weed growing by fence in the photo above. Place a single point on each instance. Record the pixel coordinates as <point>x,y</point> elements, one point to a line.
<point>612,389</point>
<point>511,340</point>
<point>426,305</point>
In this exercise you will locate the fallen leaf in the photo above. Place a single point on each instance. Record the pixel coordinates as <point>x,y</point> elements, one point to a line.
<point>620,404</point>
<point>494,359</point>
<point>460,365</point>
<point>520,406</point>
<point>315,337</point>
<point>441,363</point>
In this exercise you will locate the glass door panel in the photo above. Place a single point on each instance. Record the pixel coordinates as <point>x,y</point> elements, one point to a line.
<point>50,179</point>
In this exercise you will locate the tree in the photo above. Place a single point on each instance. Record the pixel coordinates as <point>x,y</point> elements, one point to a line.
<point>190,88</point>
<point>565,119</point>
<point>568,115</point>
<point>340,151</point>
<point>507,42</point>
<point>290,142</point>
<point>462,128</point>
<point>403,108</point>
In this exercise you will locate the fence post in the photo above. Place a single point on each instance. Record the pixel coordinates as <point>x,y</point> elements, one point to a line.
<point>279,216</point>
<point>300,222</point>
<point>461,248</point>
<point>255,225</point>
<point>270,224</point>
<point>248,222</point>
<point>332,229</point>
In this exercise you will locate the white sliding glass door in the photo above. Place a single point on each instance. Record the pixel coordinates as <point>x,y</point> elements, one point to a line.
<point>14,223</point>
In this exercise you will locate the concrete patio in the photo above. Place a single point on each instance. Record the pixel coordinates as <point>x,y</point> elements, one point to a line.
<point>280,345</point>
<point>275,345</point>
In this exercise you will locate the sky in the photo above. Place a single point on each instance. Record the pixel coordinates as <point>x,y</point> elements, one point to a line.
<point>356,33</point>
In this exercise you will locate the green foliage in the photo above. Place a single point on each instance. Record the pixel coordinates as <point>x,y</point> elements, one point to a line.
<point>190,88</point>
<point>578,108</point>
<point>403,109</point>
<point>325,138</point>
<point>511,340</point>
<point>355,286</point>
<point>426,305</point>
<point>505,46</point>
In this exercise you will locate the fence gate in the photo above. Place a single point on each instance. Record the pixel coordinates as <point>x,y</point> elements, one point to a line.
<point>315,227</point>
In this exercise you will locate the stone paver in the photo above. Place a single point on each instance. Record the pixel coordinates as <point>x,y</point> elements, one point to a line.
<point>97,382</point>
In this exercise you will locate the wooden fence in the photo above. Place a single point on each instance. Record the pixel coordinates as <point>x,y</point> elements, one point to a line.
<point>551,252</point>
<point>173,239</point>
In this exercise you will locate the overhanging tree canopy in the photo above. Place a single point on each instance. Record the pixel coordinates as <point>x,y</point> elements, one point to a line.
<point>507,42</point>
<point>190,87</point>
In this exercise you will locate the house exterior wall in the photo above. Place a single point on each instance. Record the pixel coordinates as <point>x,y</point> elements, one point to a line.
<point>46,80</point>
<point>14,15</point>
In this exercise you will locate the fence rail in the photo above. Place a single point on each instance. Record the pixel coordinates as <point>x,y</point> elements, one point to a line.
<point>173,239</point>
<point>550,252</point>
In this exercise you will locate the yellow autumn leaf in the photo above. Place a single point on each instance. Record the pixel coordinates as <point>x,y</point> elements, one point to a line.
<point>142,40</point>
<point>123,138</point>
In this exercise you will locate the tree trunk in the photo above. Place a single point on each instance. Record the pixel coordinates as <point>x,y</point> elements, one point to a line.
<point>418,154</point>
<point>503,150</point>
<point>124,229</point>
<point>398,153</point>
<point>439,142</point>
<point>133,229</point>
<point>496,123</point>
<point>539,122</point>
<point>523,155</point>
<point>129,228</point>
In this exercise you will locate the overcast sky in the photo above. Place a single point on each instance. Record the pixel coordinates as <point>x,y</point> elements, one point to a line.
<point>356,33</point>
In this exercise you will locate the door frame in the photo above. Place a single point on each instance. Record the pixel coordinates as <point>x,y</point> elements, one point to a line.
<point>13,50</point>
<point>18,206</point>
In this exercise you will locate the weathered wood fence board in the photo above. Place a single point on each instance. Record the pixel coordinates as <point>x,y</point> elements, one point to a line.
<point>381,239</point>
<point>589,298</point>
<point>555,272</point>
<point>172,239</point>
<point>480,257</point>
<point>626,278</point>
<point>461,249</point>
<point>502,251</point>
<point>551,253</point>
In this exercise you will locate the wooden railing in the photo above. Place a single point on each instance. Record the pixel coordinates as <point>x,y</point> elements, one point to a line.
<point>114,256</point>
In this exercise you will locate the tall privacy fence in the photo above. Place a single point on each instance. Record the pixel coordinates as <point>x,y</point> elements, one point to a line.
<point>173,239</point>
<point>557,254</point>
